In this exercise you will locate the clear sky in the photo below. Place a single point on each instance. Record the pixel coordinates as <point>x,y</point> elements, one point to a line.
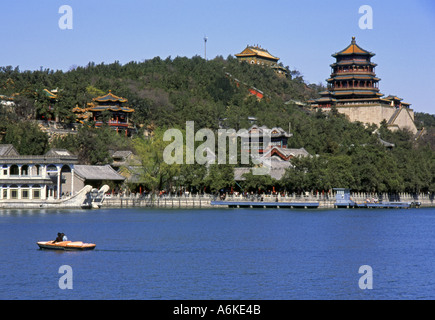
<point>303,34</point>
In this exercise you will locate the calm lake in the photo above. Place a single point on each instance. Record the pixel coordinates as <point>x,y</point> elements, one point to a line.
<point>202,254</point>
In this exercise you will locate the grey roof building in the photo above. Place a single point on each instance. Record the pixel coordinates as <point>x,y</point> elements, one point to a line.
<point>97,173</point>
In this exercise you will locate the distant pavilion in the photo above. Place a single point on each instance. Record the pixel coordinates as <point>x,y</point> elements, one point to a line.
<point>260,56</point>
<point>108,105</point>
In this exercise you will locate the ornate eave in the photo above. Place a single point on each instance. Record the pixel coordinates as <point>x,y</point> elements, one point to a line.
<point>110,97</point>
<point>353,62</point>
<point>356,92</point>
<point>255,51</point>
<point>110,108</point>
<point>353,49</point>
<point>353,76</point>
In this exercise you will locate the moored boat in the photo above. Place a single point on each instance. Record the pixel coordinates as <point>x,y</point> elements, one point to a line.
<point>65,245</point>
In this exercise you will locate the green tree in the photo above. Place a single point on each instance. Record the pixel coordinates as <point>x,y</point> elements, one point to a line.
<point>192,176</point>
<point>92,147</point>
<point>220,176</point>
<point>156,173</point>
<point>258,182</point>
<point>27,138</point>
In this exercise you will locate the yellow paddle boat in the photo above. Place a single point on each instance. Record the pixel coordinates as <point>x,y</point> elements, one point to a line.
<point>65,245</point>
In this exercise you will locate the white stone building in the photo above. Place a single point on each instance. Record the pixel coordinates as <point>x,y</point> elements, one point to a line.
<point>47,177</point>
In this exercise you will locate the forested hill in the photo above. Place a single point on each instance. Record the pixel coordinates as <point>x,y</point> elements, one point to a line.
<point>165,92</point>
<point>168,92</point>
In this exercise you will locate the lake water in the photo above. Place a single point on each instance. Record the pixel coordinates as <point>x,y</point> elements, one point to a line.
<point>227,254</point>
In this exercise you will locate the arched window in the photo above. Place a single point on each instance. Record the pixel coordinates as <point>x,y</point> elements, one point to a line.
<point>66,168</point>
<point>25,170</point>
<point>37,170</point>
<point>14,170</point>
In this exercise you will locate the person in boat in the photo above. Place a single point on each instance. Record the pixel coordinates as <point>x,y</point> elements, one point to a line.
<point>59,238</point>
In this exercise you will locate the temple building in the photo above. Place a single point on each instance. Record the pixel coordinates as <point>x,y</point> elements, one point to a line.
<point>253,139</point>
<point>273,152</point>
<point>353,89</point>
<point>259,56</point>
<point>109,109</point>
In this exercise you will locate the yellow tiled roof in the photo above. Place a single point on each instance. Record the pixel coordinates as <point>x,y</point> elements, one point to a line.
<point>110,97</point>
<point>256,51</point>
<point>353,48</point>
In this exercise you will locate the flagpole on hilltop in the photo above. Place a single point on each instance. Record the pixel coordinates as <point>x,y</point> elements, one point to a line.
<point>205,48</point>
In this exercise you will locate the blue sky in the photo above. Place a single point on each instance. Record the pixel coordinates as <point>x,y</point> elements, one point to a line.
<point>303,34</point>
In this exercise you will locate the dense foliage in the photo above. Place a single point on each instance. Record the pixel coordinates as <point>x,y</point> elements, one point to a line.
<point>168,92</point>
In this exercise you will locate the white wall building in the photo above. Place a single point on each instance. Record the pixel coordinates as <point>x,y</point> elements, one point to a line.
<point>25,177</point>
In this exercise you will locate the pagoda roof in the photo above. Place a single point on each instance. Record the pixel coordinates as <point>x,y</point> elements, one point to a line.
<point>257,130</point>
<point>324,92</point>
<point>78,109</point>
<point>362,99</point>
<point>396,98</point>
<point>390,97</point>
<point>353,48</point>
<point>82,116</point>
<point>356,92</point>
<point>110,97</point>
<point>110,108</point>
<point>252,51</point>
<point>353,76</point>
<point>325,99</point>
<point>354,61</point>
<point>49,94</point>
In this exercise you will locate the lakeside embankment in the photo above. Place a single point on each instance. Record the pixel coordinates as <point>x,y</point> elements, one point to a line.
<point>204,201</point>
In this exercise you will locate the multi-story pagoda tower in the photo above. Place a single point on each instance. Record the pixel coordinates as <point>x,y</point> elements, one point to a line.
<point>352,77</point>
<point>353,89</point>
